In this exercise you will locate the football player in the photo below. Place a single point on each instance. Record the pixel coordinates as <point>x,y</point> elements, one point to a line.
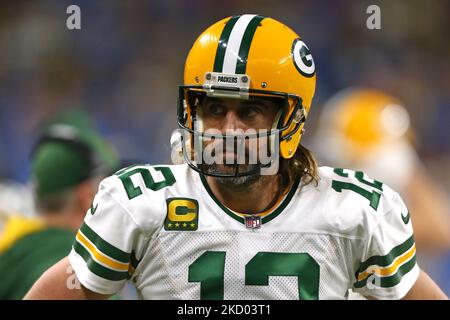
<point>67,163</point>
<point>250,215</point>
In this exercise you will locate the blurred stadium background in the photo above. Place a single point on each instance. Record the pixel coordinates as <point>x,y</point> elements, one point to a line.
<point>124,65</point>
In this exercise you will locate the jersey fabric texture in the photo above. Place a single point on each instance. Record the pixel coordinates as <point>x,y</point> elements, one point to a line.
<point>162,227</point>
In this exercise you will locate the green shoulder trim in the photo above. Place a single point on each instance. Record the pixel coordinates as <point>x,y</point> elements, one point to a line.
<point>391,281</point>
<point>97,268</point>
<point>386,260</point>
<point>104,246</point>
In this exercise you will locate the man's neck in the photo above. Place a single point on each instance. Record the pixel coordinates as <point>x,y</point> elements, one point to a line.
<point>256,198</point>
<point>63,220</point>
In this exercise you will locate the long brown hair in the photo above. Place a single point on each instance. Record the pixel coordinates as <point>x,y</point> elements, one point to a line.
<point>302,165</point>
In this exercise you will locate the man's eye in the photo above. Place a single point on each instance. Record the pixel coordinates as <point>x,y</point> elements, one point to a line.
<point>216,109</point>
<point>250,111</point>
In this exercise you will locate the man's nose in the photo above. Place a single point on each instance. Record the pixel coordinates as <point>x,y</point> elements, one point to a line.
<point>232,121</point>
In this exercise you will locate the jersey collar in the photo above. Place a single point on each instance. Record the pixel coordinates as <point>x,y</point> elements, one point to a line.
<point>266,216</point>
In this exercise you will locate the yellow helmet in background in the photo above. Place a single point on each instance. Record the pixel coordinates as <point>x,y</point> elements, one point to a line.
<point>248,55</point>
<point>368,130</point>
<point>364,119</point>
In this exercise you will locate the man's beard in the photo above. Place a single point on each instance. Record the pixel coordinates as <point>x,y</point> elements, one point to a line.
<point>230,169</point>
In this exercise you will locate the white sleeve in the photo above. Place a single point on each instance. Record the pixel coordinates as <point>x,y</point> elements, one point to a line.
<point>388,268</point>
<point>104,252</point>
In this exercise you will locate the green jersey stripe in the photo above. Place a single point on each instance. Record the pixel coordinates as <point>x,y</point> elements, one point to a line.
<point>223,42</point>
<point>391,281</point>
<point>384,261</point>
<point>97,268</point>
<point>105,247</point>
<point>245,44</point>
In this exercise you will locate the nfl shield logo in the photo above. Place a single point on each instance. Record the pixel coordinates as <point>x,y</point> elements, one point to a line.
<point>253,222</point>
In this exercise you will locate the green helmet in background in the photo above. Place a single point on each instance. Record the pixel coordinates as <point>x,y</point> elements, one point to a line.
<point>68,152</point>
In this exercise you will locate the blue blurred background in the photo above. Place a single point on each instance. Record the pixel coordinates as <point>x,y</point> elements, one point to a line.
<point>124,65</point>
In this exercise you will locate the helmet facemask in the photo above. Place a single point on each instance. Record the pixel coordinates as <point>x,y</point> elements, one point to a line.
<point>256,152</point>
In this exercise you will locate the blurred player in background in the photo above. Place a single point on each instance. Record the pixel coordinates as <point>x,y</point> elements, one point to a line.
<point>370,131</point>
<point>67,163</point>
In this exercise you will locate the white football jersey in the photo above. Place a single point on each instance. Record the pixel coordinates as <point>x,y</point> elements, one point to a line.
<point>162,227</point>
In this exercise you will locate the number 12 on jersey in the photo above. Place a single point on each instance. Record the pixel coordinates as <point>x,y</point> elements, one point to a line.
<point>209,270</point>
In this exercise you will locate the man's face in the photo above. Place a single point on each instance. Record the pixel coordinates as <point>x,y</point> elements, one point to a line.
<point>254,113</point>
<point>238,117</point>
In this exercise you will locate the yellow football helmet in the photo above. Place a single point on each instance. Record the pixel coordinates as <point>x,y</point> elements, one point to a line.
<point>365,119</point>
<point>368,130</point>
<point>244,56</point>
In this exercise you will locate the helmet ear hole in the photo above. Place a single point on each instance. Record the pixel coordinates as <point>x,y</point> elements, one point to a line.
<point>299,115</point>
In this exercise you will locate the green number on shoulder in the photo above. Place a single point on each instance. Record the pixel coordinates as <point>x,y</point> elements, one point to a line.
<point>372,196</point>
<point>150,183</point>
